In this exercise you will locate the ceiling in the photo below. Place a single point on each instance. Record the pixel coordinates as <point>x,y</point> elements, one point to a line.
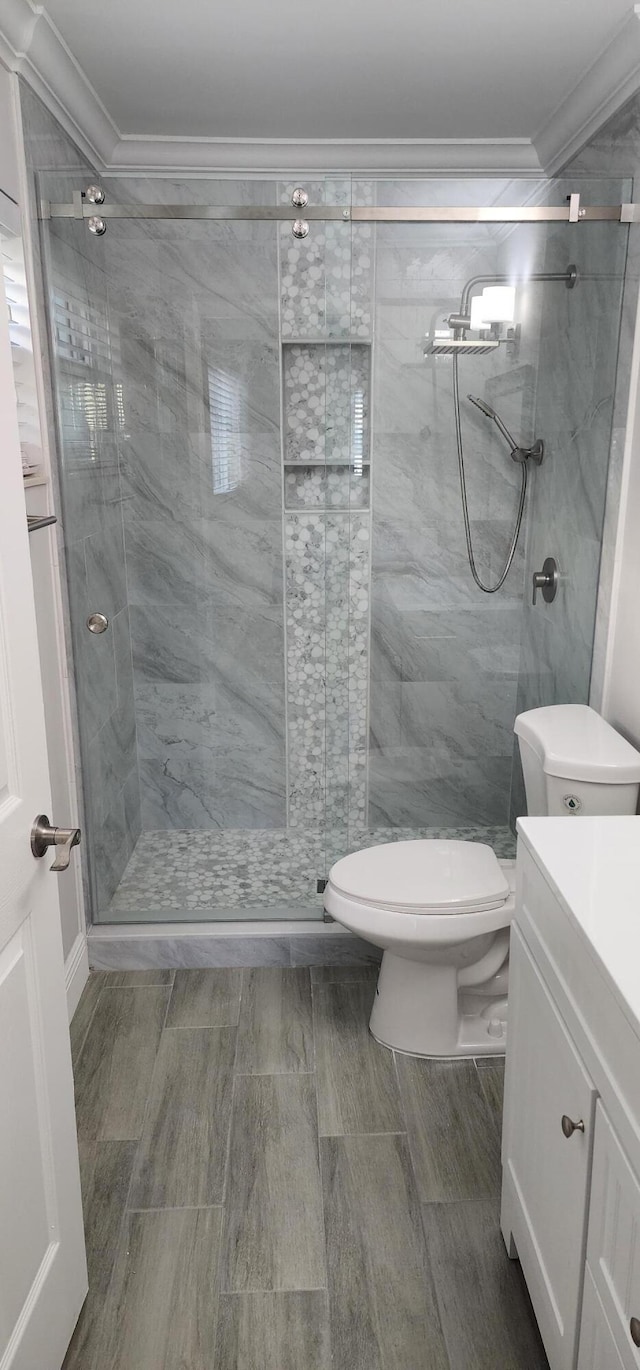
<point>337,69</point>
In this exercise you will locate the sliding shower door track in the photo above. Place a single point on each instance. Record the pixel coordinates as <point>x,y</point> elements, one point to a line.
<point>573,212</point>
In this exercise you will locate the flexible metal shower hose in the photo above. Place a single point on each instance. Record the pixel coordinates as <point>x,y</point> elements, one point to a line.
<point>488,589</point>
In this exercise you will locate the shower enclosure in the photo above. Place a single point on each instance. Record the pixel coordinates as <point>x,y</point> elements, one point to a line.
<point>260,495</point>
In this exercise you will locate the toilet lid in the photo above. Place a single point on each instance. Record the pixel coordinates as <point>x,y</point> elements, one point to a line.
<point>454,877</point>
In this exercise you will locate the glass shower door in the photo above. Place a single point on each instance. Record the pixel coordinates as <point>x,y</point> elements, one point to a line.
<point>212,383</point>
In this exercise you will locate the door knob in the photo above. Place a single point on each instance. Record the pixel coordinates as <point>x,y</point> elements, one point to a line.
<point>546,580</point>
<point>43,836</point>
<point>569,1127</point>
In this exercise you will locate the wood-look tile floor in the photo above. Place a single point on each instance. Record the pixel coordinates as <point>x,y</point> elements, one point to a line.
<point>267,1188</point>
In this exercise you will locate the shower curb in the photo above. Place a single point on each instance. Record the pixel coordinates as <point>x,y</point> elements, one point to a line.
<point>189,946</point>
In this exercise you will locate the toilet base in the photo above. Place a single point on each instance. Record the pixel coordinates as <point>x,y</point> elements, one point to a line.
<point>419,1010</point>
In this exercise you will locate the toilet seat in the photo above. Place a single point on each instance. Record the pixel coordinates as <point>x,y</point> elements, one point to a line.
<point>427,878</point>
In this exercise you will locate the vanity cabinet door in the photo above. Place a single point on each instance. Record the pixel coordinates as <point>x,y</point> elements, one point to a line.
<point>613,1245</point>
<point>598,1350</point>
<point>545,1172</point>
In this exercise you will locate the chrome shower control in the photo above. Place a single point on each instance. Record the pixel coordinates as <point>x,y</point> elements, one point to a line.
<point>97,623</point>
<point>300,228</point>
<point>95,195</point>
<point>546,580</point>
<point>96,225</point>
<point>300,198</point>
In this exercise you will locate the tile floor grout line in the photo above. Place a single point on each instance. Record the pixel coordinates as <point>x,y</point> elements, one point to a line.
<point>240,1293</point>
<point>179,1208</point>
<point>227,1159</point>
<point>412,1159</point>
<point>318,1153</point>
<point>338,1136</point>
<point>264,1074</point>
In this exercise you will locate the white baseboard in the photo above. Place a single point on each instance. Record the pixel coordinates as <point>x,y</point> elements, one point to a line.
<point>76,972</point>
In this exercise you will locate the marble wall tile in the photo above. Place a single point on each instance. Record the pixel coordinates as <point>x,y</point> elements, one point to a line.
<point>196,316</point>
<point>411,787</point>
<point>210,757</point>
<point>142,953</point>
<point>574,412</point>
<point>444,657</point>
<point>223,644</point>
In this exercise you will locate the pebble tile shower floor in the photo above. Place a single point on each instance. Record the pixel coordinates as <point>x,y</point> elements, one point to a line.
<point>195,874</point>
<point>267,1188</point>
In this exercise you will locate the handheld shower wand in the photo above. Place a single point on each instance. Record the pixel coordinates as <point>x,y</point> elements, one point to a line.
<point>534,453</point>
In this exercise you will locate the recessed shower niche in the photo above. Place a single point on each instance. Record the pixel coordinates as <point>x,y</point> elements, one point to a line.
<point>327,389</point>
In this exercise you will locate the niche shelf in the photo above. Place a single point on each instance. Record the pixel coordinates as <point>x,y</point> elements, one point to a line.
<point>327,387</point>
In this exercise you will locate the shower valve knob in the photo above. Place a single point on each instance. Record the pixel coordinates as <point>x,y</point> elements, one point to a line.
<point>546,580</point>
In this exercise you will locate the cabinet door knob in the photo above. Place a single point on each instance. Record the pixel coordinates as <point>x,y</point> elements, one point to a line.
<point>569,1127</point>
<point>634,1328</point>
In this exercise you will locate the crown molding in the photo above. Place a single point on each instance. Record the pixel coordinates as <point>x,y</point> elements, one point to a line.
<point>608,83</point>
<point>283,155</point>
<point>31,46</point>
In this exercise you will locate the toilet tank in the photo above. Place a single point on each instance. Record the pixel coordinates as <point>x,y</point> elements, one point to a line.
<point>576,763</point>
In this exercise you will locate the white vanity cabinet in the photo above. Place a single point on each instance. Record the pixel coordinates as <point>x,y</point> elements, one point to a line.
<point>546,1174</point>
<point>571,1137</point>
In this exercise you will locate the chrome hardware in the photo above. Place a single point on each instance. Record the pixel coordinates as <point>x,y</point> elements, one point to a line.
<point>572,276</point>
<point>299,198</point>
<point>44,836</point>
<point>300,228</point>
<point>634,1328</point>
<point>96,225</point>
<point>97,623</point>
<point>346,213</point>
<point>546,580</point>
<point>95,195</point>
<point>574,208</point>
<point>569,1127</point>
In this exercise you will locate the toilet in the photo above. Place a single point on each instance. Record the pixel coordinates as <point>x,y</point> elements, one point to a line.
<point>441,910</point>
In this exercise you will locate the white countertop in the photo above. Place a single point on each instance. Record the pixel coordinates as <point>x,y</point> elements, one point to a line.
<point>593,864</point>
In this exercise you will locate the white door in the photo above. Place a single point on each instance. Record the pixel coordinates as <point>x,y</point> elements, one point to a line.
<point>43,1277</point>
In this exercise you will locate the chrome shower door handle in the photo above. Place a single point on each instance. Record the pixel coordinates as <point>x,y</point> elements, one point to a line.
<point>546,580</point>
<point>43,836</point>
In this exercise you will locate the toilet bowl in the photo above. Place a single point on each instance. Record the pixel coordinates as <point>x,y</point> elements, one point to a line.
<point>441,909</point>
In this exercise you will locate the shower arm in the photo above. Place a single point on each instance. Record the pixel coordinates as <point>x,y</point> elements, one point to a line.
<point>461,321</point>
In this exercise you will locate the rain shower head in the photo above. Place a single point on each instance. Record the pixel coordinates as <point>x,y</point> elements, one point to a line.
<point>450,347</point>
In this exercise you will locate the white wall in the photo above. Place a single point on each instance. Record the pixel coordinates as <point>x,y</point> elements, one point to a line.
<point>621,700</point>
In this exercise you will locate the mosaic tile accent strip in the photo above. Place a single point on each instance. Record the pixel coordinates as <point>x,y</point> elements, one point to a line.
<point>326,401</point>
<point>327,277</point>
<point>306,622</point>
<point>327,580</point>
<point>183,872</point>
